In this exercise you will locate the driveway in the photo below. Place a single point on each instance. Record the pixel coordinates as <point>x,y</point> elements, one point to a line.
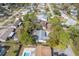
<point>68,51</point>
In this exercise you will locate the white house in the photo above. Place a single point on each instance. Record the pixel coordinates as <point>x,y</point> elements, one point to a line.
<point>71,22</point>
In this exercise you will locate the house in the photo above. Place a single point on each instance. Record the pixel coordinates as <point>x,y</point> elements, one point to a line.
<point>4,34</point>
<point>42,35</point>
<point>5,5</point>
<point>71,22</point>
<point>1,12</point>
<point>36,51</point>
<point>74,12</point>
<point>68,21</point>
<point>4,12</point>
<point>8,31</point>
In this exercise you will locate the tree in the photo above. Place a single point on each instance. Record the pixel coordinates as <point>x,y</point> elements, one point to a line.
<point>52,43</point>
<point>64,38</point>
<point>58,36</point>
<point>54,21</point>
<point>25,37</point>
<point>32,16</point>
<point>65,6</point>
<point>56,12</point>
<point>26,30</point>
<point>75,36</point>
<point>37,26</point>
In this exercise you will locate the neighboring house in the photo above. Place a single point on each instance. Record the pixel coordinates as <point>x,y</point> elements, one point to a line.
<point>5,5</point>
<point>8,31</point>
<point>70,22</point>
<point>74,12</point>
<point>4,12</point>
<point>4,34</point>
<point>1,12</point>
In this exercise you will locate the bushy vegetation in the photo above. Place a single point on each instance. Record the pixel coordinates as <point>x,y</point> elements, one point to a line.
<point>26,30</point>
<point>74,34</point>
<point>58,36</point>
<point>56,12</point>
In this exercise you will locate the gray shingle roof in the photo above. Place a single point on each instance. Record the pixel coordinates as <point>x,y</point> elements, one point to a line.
<point>4,36</point>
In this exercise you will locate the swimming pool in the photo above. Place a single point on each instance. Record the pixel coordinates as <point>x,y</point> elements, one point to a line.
<point>27,53</point>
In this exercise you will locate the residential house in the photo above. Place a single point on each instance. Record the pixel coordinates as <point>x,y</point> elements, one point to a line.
<point>74,12</point>
<point>42,35</point>
<point>4,33</point>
